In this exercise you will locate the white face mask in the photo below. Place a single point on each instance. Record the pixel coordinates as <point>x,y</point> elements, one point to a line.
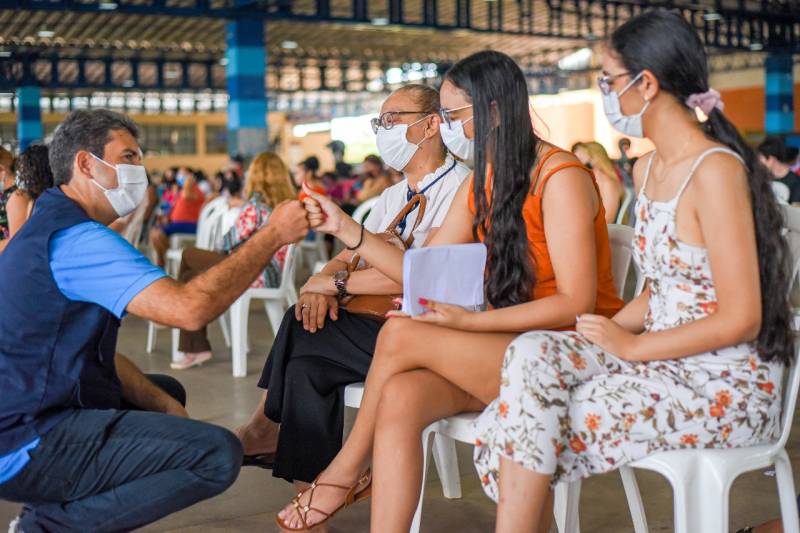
<point>131,188</point>
<point>630,125</point>
<point>393,146</point>
<point>456,140</point>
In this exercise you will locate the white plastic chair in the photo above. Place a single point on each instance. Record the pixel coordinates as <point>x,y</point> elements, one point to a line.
<point>209,236</point>
<point>314,251</point>
<point>362,211</point>
<point>622,212</point>
<point>276,302</point>
<point>781,191</point>
<point>701,479</point>
<point>203,239</point>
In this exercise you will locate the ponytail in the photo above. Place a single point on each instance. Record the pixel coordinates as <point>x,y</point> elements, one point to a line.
<point>776,339</point>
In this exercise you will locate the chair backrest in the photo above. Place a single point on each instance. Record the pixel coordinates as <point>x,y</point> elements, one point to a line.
<point>288,274</point>
<point>781,191</point>
<point>792,234</point>
<point>362,211</point>
<point>208,228</point>
<point>220,202</point>
<point>621,239</point>
<point>622,212</point>
<point>226,221</point>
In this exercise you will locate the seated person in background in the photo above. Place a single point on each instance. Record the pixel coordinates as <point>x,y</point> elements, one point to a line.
<point>778,158</point>
<point>183,217</point>
<point>7,181</point>
<point>594,156</point>
<point>229,185</point>
<point>69,447</point>
<point>320,348</point>
<point>307,172</point>
<point>625,162</point>
<point>267,184</point>
<point>334,188</point>
<point>170,190</point>
<point>374,181</point>
<point>202,183</point>
<point>33,177</point>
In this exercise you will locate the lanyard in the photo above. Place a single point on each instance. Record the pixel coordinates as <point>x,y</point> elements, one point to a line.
<point>411,194</point>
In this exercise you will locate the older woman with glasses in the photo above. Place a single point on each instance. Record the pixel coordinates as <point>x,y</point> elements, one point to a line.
<point>320,348</point>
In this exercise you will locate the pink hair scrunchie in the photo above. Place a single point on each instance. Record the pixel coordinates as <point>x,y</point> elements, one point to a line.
<point>707,101</point>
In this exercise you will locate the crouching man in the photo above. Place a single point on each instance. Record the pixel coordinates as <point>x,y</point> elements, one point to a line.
<point>87,442</point>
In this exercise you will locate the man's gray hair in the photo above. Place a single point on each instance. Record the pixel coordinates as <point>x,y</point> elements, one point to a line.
<point>85,129</point>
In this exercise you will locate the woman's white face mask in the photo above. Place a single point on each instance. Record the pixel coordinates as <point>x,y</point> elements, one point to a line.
<point>393,146</point>
<point>630,125</point>
<point>456,140</point>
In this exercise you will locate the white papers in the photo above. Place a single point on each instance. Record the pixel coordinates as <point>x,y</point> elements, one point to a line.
<point>446,274</point>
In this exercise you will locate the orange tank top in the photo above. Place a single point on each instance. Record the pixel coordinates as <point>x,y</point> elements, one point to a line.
<point>607,301</point>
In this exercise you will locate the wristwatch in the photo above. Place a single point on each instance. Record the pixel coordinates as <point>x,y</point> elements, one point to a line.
<point>340,281</point>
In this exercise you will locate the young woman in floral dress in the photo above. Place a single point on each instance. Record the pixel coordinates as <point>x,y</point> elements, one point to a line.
<point>694,362</point>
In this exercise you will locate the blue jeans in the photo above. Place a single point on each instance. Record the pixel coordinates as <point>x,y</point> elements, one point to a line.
<point>109,470</point>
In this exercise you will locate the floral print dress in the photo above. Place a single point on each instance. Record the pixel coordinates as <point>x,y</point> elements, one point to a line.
<point>569,409</point>
<point>255,214</point>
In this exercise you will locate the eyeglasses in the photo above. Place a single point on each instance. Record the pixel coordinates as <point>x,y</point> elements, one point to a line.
<point>388,120</point>
<point>604,82</point>
<point>447,114</point>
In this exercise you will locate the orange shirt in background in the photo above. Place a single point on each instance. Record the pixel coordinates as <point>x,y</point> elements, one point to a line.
<point>188,210</point>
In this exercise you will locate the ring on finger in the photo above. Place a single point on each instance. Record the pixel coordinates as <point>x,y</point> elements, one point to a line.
<point>305,306</point>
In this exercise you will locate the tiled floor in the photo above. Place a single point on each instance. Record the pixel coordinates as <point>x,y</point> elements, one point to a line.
<point>216,397</point>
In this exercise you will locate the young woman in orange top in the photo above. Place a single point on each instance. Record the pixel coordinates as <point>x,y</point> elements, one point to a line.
<point>539,213</point>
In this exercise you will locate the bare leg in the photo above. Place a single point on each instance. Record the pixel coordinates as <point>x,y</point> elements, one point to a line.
<point>410,401</point>
<point>260,434</point>
<point>523,496</point>
<point>471,361</point>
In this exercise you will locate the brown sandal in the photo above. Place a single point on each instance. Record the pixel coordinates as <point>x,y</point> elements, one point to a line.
<point>352,497</point>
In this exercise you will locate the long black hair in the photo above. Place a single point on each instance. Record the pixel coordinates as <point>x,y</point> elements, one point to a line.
<point>33,170</point>
<point>668,46</point>
<point>504,136</point>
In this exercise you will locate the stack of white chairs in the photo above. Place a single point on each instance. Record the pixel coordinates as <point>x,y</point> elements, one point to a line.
<point>447,431</point>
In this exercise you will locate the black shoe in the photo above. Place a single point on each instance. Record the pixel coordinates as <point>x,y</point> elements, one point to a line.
<point>264,460</point>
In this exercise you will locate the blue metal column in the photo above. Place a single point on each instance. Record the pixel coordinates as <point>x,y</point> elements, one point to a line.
<point>29,116</point>
<point>247,104</point>
<point>779,92</point>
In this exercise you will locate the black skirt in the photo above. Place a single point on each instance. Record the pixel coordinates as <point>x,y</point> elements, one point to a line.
<point>305,375</point>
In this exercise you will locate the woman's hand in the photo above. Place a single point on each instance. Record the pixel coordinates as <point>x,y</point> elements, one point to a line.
<point>325,216</point>
<point>445,315</point>
<point>608,335</point>
<point>312,309</point>
<point>320,284</point>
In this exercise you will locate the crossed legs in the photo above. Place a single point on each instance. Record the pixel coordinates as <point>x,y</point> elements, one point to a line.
<point>463,366</point>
